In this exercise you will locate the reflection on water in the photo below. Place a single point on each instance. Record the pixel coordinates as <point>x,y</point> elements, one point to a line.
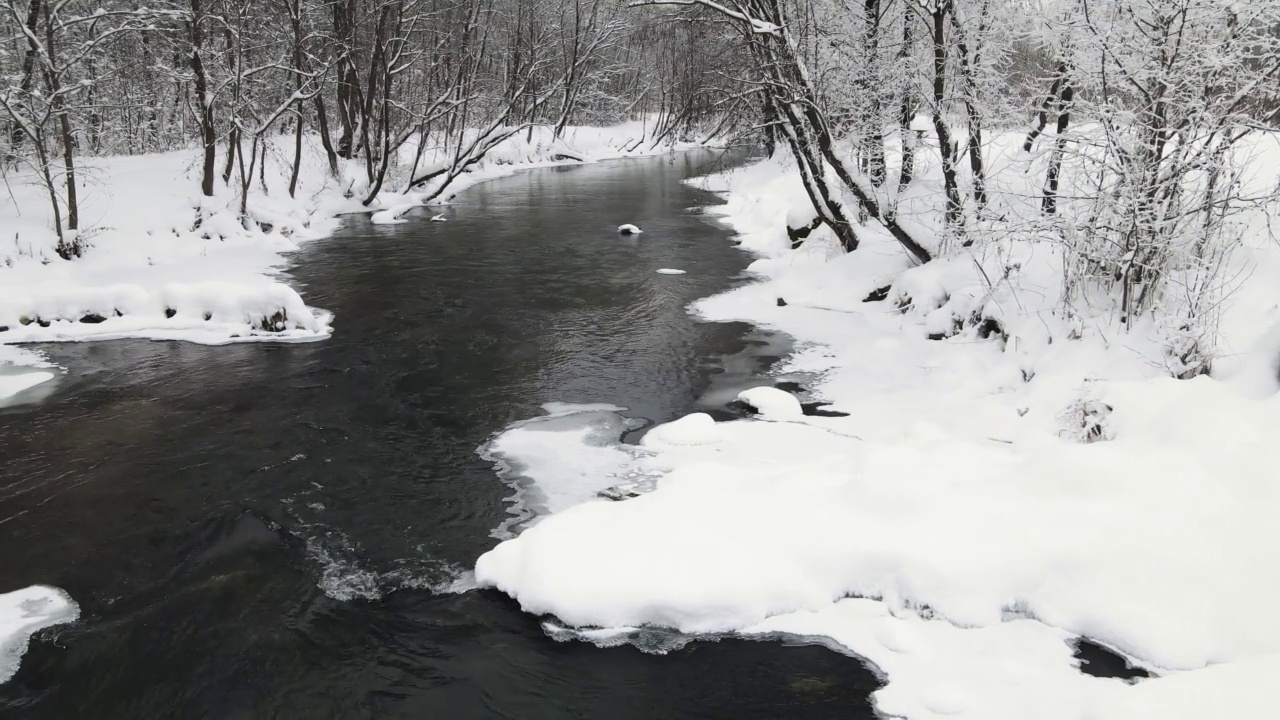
<point>275,531</point>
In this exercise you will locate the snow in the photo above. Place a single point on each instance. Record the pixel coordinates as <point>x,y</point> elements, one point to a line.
<point>204,312</point>
<point>960,528</point>
<point>163,262</point>
<point>25,612</point>
<point>772,403</point>
<point>695,429</point>
<point>629,229</point>
<point>670,271</point>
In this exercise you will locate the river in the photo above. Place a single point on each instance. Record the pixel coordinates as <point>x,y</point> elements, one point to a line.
<point>274,531</point>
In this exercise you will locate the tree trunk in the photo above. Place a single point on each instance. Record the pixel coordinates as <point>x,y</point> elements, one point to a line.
<point>969,63</point>
<point>63,250</point>
<point>873,146</point>
<point>28,67</point>
<point>229,162</point>
<point>1050,203</point>
<point>344,30</point>
<point>208,133</point>
<point>383,69</point>
<point>1042,117</point>
<point>322,120</point>
<point>295,23</point>
<point>946,143</point>
<point>906,113</point>
<point>235,65</point>
<point>771,120</point>
<point>67,137</point>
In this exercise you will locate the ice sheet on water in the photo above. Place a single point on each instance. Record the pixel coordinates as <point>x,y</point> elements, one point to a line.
<point>22,369</point>
<point>561,459</point>
<point>24,612</point>
<point>560,409</point>
<point>12,383</point>
<point>652,641</point>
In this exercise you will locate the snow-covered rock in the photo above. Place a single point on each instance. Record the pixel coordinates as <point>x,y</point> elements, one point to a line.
<point>772,403</point>
<point>206,312</point>
<point>695,429</point>
<point>393,215</point>
<point>629,229</point>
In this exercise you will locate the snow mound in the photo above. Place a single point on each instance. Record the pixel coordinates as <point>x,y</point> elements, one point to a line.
<point>670,271</point>
<point>1015,669</point>
<point>778,519</point>
<point>25,612</point>
<point>772,403</point>
<point>695,429</point>
<point>209,313</point>
<point>629,229</point>
<point>392,215</point>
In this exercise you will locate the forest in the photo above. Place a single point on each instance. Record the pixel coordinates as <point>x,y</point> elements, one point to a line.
<point>1140,114</point>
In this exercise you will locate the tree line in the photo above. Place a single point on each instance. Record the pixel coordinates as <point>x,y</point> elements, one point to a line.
<point>1144,117</point>
<point>1136,114</point>
<point>375,80</point>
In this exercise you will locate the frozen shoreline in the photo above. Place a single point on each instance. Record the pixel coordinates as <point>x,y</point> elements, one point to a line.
<point>25,612</point>
<point>152,272</point>
<point>953,529</point>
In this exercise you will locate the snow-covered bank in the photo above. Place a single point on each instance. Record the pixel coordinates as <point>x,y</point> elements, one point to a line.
<point>961,526</point>
<point>25,612</point>
<point>162,262</point>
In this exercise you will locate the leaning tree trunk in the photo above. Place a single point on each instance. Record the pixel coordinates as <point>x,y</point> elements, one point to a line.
<point>67,137</point>
<point>63,249</point>
<point>1042,117</point>
<point>787,77</point>
<point>326,140</point>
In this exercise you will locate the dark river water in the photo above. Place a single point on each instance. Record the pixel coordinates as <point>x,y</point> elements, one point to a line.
<point>270,531</point>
